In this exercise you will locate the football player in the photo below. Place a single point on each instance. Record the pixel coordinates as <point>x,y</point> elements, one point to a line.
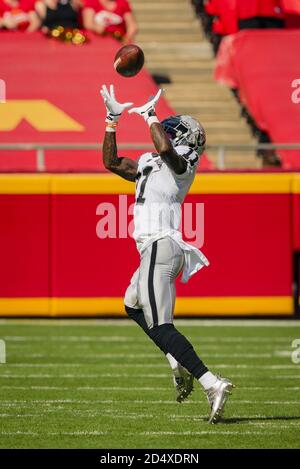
<point>162,181</point>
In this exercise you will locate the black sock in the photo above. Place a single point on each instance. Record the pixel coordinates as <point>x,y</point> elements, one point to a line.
<point>171,341</point>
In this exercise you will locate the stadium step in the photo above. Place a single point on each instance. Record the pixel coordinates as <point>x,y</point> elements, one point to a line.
<point>201,92</point>
<point>230,130</point>
<point>198,97</point>
<point>172,36</point>
<point>175,47</point>
<point>178,26</point>
<point>199,73</point>
<point>169,17</point>
<point>190,65</point>
<point>175,6</point>
<point>227,139</point>
<point>233,161</point>
<point>220,104</point>
<point>178,47</point>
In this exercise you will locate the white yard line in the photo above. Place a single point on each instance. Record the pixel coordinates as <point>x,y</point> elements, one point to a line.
<point>120,338</point>
<point>147,365</point>
<point>277,378</point>
<point>204,432</point>
<point>135,388</point>
<point>18,433</point>
<point>78,433</point>
<point>158,434</point>
<point>8,375</point>
<point>35,434</point>
<point>240,420</point>
<point>144,347</point>
<point>120,414</point>
<point>271,424</point>
<point>88,388</point>
<point>283,353</point>
<point>68,338</point>
<point>270,388</point>
<point>38,388</point>
<point>167,376</point>
<point>142,355</point>
<point>67,376</point>
<point>135,401</point>
<point>180,322</point>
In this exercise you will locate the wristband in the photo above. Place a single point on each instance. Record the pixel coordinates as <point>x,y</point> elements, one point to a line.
<point>111,127</point>
<point>151,120</point>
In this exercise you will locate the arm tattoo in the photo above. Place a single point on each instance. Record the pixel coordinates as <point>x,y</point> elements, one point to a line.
<point>110,154</point>
<point>124,167</point>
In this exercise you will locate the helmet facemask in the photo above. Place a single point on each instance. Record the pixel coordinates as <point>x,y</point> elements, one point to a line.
<point>184,130</point>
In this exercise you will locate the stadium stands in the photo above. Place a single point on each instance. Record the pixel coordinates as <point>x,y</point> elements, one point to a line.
<point>112,18</point>
<point>50,15</point>
<point>243,67</point>
<point>16,14</point>
<point>264,75</point>
<point>263,14</point>
<point>179,55</point>
<point>292,13</point>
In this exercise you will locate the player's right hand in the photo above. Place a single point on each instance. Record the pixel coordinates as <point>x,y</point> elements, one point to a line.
<point>114,109</point>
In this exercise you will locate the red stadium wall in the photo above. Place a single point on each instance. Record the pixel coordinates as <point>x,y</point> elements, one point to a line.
<point>53,263</point>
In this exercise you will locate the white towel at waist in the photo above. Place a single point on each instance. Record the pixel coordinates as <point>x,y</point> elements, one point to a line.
<point>194,259</point>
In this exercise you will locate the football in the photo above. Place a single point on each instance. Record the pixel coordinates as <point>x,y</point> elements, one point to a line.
<point>129,60</point>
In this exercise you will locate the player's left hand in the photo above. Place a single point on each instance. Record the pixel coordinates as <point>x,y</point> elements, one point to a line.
<point>114,109</point>
<point>148,109</point>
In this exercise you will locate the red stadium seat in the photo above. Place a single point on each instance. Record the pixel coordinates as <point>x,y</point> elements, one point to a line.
<point>253,8</point>
<point>264,75</point>
<point>225,13</point>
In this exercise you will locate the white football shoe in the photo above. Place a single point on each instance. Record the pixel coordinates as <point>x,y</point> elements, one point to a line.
<point>183,384</point>
<point>217,396</point>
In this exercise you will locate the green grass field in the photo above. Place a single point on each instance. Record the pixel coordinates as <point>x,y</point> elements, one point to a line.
<point>103,384</point>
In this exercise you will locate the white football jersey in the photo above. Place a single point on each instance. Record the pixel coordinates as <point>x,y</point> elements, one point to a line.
<point>159,195</point>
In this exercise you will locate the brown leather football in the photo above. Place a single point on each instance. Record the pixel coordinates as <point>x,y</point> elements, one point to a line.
<point>129,60</point>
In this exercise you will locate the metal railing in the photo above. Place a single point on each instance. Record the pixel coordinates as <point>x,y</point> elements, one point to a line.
<point>220,149</point>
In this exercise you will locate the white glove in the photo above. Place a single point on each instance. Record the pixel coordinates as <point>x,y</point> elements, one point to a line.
<point>113,108</point>
<point>147,111</point>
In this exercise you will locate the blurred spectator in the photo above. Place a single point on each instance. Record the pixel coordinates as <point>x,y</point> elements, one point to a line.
<point>291,10</point>
<point>112,17</point>
<point>253,14</point>
<point>205,18</point>
<point>16,14</point>
<point>52,13</point>
<point>224,19</point>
